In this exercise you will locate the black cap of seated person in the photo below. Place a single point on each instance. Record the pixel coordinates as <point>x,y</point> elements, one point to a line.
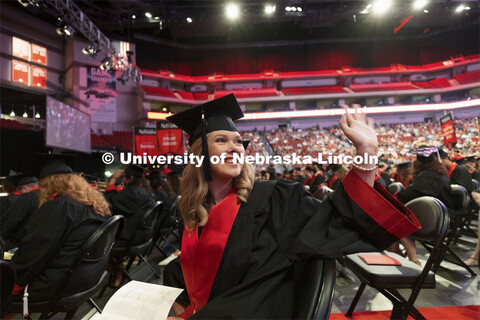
<point>218,114</point>
<point>427,153</point>
<point>134,171</point>
<point>22,178</point>
<point>47,164</point>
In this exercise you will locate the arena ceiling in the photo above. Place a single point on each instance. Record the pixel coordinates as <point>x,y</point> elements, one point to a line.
<point>315,20</point>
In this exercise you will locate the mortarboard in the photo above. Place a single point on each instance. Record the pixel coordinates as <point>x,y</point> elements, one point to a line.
<point>404,165</point>
<point>23,179</point>
<point>47,164</point>
<point>334,167</point>
<point>426,153</point>
<point>218,114</point>
<point>135,171</point>
<point>460,160</point>
<point>442,153</point>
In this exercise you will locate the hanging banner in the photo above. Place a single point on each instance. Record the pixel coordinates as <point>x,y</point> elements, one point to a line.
<point>170,139</point>
<point>20,48</point>
<point>39,77</point>
<point>39,54</point>
<point>448,130</point>
<point>20,72</point>
<point>101,94</point>
<point>146,141</point>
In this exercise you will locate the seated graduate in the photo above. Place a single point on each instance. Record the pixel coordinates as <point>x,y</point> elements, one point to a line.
<point>13,222</point>
<point>131,201</point>
<point>242,238</point>
<point>456,172</point>
<point>16,184</point>
<point>70,211</point>
<point>429,179</point>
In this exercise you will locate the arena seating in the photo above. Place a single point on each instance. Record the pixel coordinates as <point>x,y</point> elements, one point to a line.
<point>12,124</point>
<point>441,83</point>
<point>424,85</point>
<point>154,91</point>
<point>469,77</point>
<point>389,86</point>
<point>248,93</point>
<point>186,95</point>
<point>99,142</point>
<point>201,95</point>
<point>312,90</point>
<point>122,139</point>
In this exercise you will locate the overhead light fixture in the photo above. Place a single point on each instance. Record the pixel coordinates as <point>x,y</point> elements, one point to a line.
<point>381,6</point>
<point>25,114</point>
<point>156,18</point>
<point>232,11</point>
<point>270,9</point>
<point>467,8</point>
<point>293,9</point>
<point>299,9</point>
<point>134,16</point>
<point>92,49</point>
<point>124,77</point>
<point>189,20</point>
<point>148,15</point>
<point>68,30</point>
<point>12,114</point>
<point>37,116</point>
<point>419,4</point>
<point>106,63</point>
<point>425,11</point>
<point>288,9</point>
<point>460,8</point>
<point>164,109</point>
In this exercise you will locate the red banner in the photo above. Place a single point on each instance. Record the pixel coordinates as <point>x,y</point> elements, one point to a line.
<point>20,72</point>
<point>145,141</point>
<point>170,141</point>
<point>39,77</point>
<point>448,130</point>
<point>39,54</point>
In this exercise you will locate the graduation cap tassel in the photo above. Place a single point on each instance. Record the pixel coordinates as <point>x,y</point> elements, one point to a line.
<point>206,162</point>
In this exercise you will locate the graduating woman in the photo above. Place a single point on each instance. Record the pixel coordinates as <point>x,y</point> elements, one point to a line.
<point>242,238</point>
<point>70,211</point>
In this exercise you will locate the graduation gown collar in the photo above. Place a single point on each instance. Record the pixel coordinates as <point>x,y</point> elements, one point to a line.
<point>201,256</point>
<point>451,169</point>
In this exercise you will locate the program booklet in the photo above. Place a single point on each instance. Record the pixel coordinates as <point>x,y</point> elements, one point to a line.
<point>139,300</point>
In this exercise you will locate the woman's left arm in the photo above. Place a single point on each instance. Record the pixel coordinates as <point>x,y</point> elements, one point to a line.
<point>363,138</point>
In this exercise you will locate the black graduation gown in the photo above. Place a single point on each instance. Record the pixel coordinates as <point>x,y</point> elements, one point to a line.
<point>13,224</point>
<point>476,175</point>
<point>428,183</point>
<point>386,178</point>
<point>165,218</point>
<point>281,224</point>
<point>54,238</point>
<point>319,179</point>
<point>131,202</point>
<point>460,175</point>
<point>6,202</point>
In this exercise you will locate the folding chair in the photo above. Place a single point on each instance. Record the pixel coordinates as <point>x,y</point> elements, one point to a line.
<point>145,229</point>
<point>314,289</point>
<point>433,217</point>
<point>86,275</point>
<point>471,214</point>
<point>395,187</point>
<point>322,193</point>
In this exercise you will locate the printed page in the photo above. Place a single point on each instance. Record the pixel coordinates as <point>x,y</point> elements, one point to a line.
<point>139,300</point>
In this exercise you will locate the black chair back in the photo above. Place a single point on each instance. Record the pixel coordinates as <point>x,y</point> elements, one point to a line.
<point>322,193</point>
<point>430,212</point>
<point>395,187</point>
<point>7,282</point>
<point>476,185</point>
<point>147,222</point>
<point>314,289</point>
<point>460,197</point>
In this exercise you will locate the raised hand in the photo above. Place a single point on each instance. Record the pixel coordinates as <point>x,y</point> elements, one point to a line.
<point>357,129</point>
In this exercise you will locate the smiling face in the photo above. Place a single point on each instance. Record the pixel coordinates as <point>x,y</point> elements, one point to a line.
<point>228,142</point>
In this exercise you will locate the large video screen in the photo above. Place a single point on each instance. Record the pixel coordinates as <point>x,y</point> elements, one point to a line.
<point>67,127</point>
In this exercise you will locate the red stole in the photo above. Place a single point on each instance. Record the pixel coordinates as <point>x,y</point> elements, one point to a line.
<point>450,170</point>
<point>200,258</point>
<point>334,178</point>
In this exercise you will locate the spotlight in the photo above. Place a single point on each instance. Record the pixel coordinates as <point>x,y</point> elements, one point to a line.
<point>460,8</point>
<point>381,6</point>
<point>134,17</point>
<point>269,9</point>
<point>156,18</point>
<point>467,8</point>
<point>92,49</point>
<point>25,115</point>
<point>164,109</point>
<point>293,9</point>
<point>37,116</point>
<point>419,4</point>
<point>189,20</point>
<point>68,30</point>
<point>288,9</point>
<point>12,114</point>
<point>106,63</point>
<point>232,11</point>
<point>299,9</point>
<point>108,174</point>
<point>148,15</point>
<point>425,11</point>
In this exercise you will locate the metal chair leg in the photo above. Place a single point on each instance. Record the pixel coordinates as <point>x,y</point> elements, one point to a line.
<point>355,300</point>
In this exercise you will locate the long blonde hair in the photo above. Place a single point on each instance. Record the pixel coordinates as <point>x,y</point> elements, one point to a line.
<point>76,187</point>
<point>195,191</point>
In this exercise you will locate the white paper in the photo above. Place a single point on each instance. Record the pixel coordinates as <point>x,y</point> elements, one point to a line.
<point>139,300</point>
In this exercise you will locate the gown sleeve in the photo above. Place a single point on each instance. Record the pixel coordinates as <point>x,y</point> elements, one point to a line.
<point>356,217</point>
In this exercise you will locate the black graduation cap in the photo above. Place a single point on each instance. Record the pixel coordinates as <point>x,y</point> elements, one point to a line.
<point>23,179</point>
<point>426,153</point>
<point>404,165</point>
<point>334,167</point>
<point>218,114</point>
<point>135,171</point>
<point>460,161</point>
<point>48,164</point>
<point>442,153</point>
